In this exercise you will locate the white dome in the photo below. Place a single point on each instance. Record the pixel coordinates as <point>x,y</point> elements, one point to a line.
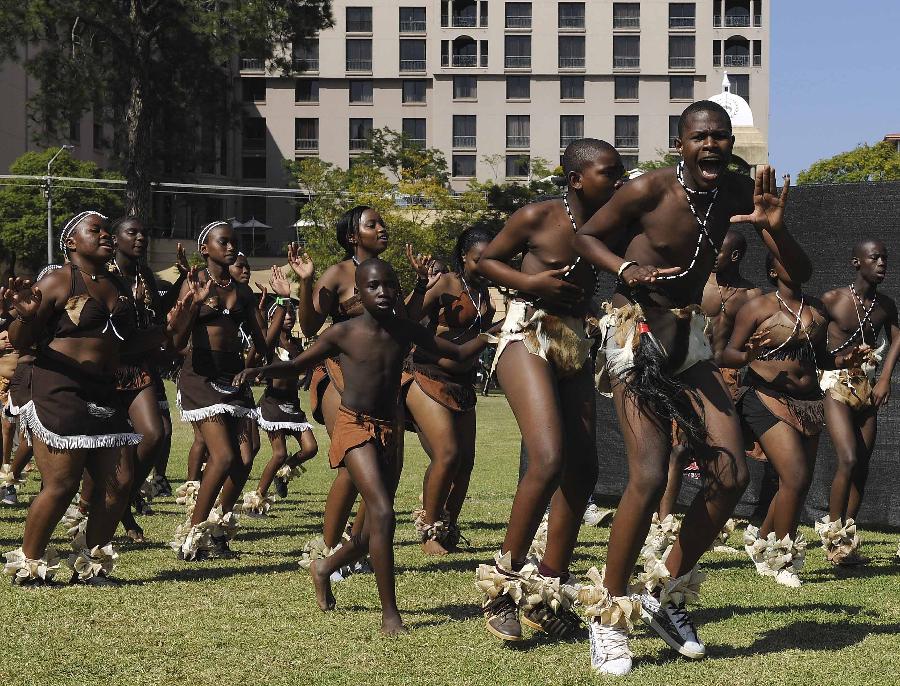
<point>738,108</point>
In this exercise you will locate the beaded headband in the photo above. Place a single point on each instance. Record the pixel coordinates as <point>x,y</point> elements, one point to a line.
<point>46,270</point>
<point>271,312</point>
<point>70,226</point>
<point>204,232</point>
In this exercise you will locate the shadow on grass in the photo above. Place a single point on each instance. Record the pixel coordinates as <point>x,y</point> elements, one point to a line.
<point>708,615</point>
<point>205,571</point>
<point>868,571</point>
<point>807,635</point>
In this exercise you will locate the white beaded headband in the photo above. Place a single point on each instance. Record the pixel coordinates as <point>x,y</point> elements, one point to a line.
<point>204,232</point>
<point>70,226</point>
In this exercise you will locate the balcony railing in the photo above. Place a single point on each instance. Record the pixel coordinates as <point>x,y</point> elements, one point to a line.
<point>252,63</point>
<point>306,144</point>
<point>412,65</point>
<point>737,20</point>
<point>737,60</point>
<point>518,142</point>
<point>717,60</point>
<point>682,62</point>
<point>682,22</point>
<point>626,62</point>
<point>757,60</point>
<point>626,22</point>
<point>254,143</point>
<point>306,64</point>
<point>414,142</point>
<point>717,21</point>
<point>463,21</point>
<point>566,140</point>
<point>413,26</point>
<point>464,60</point>
<point>464,142</point>
<point>518,62</point>
<point>757,20</point>
<point>626,141</point>
<point>572,22</point>
<point>518,21</point>
<point>360,144</point>
<point>359,26</point>
<point>571,62</point>
<point>359,65</point>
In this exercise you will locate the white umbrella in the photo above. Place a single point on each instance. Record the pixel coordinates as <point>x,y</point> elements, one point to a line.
<point>253,224</point>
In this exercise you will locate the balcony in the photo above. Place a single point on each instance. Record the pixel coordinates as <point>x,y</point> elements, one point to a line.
<point>359,26</point>
<point>518,22</point>
<point>757,60</point>
<point>737,20</point>
<point>410,65</point>
<point>253,64</point>
<point>518,142</point>
<point>412,27</point>
<point>626,141</point>
<point>757,20</point>
<point>414,143</point>
<point>565,141</point>
<point>626,62</point>
<point>737,60</point>
<point>306,144</point>
<point>460,21</point>
<point>305,64</point>
<point>682,62</point>
<point>360,144</point>
<point>631,23</point>
<point>571,62</point>
<point>359,65</point>
<point>682,22</point>
<point>464,142</point>
<point>517,62</point>
<point>464,60</point>
<point>572,22</point>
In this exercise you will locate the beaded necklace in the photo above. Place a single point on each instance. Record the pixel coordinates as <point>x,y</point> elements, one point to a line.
<point>863,319</point>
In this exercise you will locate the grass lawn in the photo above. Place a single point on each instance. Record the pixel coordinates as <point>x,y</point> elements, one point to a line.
<point>254,620</point>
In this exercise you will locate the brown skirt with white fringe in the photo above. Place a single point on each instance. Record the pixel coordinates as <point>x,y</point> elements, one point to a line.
<point>279,410</point>
<point>205,386</point>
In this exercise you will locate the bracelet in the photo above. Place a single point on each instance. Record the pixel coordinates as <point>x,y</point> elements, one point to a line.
<point>625,265</point>
<point>284,302</point>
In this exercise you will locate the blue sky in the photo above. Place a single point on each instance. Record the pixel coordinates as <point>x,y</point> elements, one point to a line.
<point>835,74</point>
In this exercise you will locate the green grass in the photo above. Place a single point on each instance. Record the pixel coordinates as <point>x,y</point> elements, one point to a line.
<point>254,620</point>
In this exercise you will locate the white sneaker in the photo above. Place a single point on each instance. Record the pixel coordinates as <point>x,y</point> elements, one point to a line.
<point>673,625</point>
<point>609,649</point>
<point>788,577</point>
<point>595,516</point>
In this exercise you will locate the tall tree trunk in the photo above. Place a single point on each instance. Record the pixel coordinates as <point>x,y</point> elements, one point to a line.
<point>138,128</point>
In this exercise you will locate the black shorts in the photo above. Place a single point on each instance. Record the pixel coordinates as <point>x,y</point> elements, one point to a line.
<point>756,415</point>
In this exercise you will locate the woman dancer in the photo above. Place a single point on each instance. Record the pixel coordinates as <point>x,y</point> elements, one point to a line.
<point>780,336</point>
<point>79,318</point>
<point>440,394</point>
<point>212,308</point>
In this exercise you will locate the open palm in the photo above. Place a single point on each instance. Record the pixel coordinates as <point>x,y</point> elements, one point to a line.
<point>768,203</point>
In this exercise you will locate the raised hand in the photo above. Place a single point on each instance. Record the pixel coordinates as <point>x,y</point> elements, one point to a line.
<point>26,298</point>
<point>261,304</point>
<point>279,284</point>
<point>199,291</point>
<point>178,309</point>
<point>420,262</point>
<point>181,261</point>
<point>5,295</point>
<point>640,274</point>
<point>757,343</point>
<point>300,262</point>
<point>768,204</point>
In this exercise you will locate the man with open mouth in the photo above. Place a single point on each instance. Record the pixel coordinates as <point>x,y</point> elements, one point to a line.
<point>656,361</point>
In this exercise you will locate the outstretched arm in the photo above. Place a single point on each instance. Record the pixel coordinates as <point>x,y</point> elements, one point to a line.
<point>325,346</point>
<point>424,339</point>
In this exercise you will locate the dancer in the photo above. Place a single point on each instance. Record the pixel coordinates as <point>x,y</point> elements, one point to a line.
<point>372,348</point>
<point>781,337</point>
<point>859,315</point>
<point>440,394</point>
<point>211,309</point>
<point>658,362</point>
<point>79,318</point>
<point>543,366</point>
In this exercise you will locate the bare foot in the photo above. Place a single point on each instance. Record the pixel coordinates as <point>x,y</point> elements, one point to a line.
<point>322,583</point>
<point>432,547</point>
<point>393,626</point>
<point>136,535</point>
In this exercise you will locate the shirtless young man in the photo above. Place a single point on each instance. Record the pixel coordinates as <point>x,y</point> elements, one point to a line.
<point>859,315</point>
<point>544,366</point>
<point>677,219</point>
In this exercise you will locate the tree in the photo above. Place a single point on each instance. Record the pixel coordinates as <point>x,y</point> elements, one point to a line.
<point>505,198</point>
<point>156,72</point>
<point>407,184</point>
<point>665,159</point>
<point>23,206</point>
<point>879,162</point>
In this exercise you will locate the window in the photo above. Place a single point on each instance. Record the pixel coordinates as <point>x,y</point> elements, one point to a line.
<point>306,90</point>
<point>465,87</point>
<point>518,52</point>
<point>253,167</point>
<point>483,13</point>
<point>627,87</point>
<point>306,55</point>
<point>626,52</point>
<point>464,131</point>
<point>681,88</point>
<point>412,20</point>
<point>414,132</point>
<point>359,20</point>
<point>740,85</point>
<point>571,88</point>
<point>463,165</point>
<point>253,90</point>
<point>306,134</point>
<point>465,13</point>
<point>681,52</point>
<point>359,54</point>
<point>571,15</point>
<point>484,53</point>
<point>518,131</point>
<point>673,129</point>
<point>626,15</point>
<point>252,207</point>
<point>518,87</point>
<point>518,15</point>
<point>626,131</point>
<point>361,91</point>
<point>465,52</point>
<point>413,91</point>
<point>757,53</point>
<point>412,55</point>
<point>445,53</point>
<point>682,15</point>
<point>571,52</point>
<point>254,133</point>
<point>571,128</point>
<point>629,162</point>
<point>717,53</point>
<point>360,134</point>
<point>518,166</point>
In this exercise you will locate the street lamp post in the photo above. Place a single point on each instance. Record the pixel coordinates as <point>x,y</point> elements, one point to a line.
<point>50,204</point>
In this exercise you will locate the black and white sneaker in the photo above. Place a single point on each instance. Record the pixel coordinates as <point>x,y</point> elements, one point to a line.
<point>673,624</point>
<point>8,495</point>
<point>609,649</point>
